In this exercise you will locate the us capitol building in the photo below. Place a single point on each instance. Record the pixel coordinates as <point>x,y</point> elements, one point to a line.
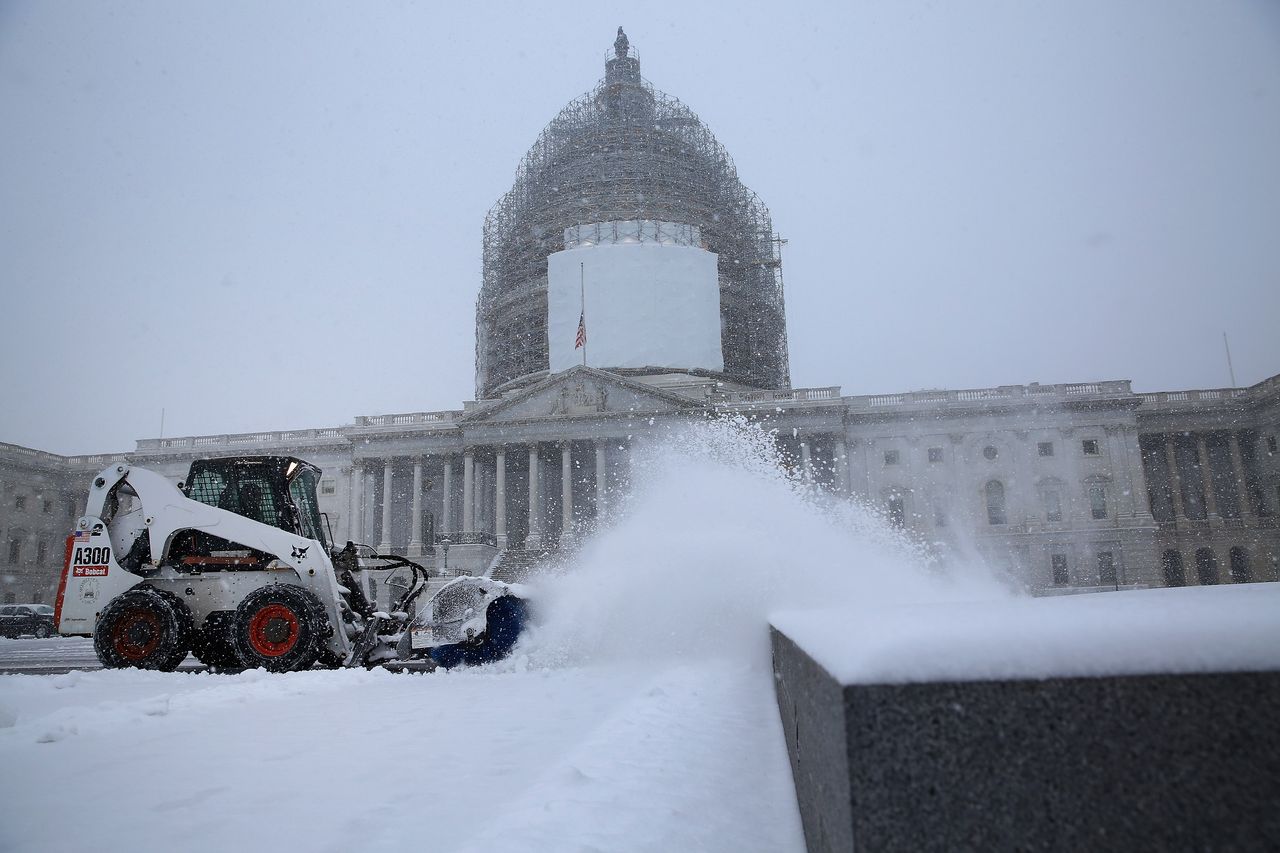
<point>627,203</point>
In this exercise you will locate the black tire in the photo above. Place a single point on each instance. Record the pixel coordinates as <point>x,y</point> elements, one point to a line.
<point>144,628</point>
<point>212,644</point>
<point>280,628</point>
<point>43,632</point>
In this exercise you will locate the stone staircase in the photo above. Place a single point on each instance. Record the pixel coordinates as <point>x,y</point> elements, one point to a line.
<point>514,565</point>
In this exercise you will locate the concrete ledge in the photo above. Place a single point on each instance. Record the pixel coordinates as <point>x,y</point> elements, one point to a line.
<point>1141,762</point>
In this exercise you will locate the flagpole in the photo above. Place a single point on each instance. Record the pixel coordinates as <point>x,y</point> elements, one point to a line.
<point>582,278</point>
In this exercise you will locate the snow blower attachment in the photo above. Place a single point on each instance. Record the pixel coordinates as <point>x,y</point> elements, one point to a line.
<point>237,567</point>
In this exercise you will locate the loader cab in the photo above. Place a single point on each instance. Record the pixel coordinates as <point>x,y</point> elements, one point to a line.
<point>275,490</point>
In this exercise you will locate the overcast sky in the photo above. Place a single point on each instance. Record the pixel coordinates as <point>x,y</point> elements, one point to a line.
<point>264,216</point>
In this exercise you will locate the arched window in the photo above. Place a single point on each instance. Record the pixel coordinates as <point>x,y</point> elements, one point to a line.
<point>1240,571</point>
<point>1098,500</point>
<point>1206,567</point>
<point>995,503</point>
<point>1051,499</point>
<point>1171,562</point>
<point>897,511</point>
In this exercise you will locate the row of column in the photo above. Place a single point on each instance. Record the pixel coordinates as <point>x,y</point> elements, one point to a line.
<point>839,455</point>
<point>1206,476</point>
<point>536,534</point>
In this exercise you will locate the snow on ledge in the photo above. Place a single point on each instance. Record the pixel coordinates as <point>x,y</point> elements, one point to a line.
<point>1190,629</point>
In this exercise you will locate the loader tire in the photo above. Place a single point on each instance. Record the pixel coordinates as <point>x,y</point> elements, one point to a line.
<point>144,628</point>
<point>212,644</point>
<point>280,628</point>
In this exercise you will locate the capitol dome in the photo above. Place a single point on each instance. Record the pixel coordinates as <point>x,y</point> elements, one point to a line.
<point>627,217</point>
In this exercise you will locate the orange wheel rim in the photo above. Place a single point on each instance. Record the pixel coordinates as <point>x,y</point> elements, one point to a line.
<point>274,630</point>
<point>136,635</point>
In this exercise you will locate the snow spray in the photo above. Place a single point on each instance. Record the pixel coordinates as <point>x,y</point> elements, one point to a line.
<point>718,533</point>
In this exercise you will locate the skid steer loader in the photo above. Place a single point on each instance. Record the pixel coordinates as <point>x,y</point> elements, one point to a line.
<point>236,566</point>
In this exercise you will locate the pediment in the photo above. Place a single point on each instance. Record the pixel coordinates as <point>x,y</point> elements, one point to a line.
<point>581,392</point>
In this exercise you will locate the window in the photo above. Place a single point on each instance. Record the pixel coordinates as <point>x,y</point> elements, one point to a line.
<point>37,597</point>
<point>42,551</point>
<point>897,511</point>
<point>1098,500</point>
<point>327,487</point>
<point>20,502</point>
<point>47,507</point>
<point>10,598</point>
<point>891,457</point>
<point>990,452</point>
<point>1061,577</point>
<point>994,492</point>
<point>1090,446</point>
<point>1206,567</point>
<point>1106,568</point>
<point>1240,571</point>
<point>939,517</point>
<point>1171,563</point>
<point>15,550</point>
<point>1052,505</point>
<point>1271,444</point>
<point>1045,448</point>
<point>935,454</point>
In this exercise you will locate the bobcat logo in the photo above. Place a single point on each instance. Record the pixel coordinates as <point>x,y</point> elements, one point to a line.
<point>300,553</point>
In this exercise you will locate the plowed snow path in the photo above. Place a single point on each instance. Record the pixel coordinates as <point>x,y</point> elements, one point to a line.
<point>681,758</point>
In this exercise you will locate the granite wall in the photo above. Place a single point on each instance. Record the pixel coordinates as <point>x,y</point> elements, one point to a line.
<point>1143,762</point>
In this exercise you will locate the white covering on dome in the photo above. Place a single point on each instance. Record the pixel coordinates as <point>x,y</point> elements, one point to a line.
<point>648,304</point>
<point>632,231</point>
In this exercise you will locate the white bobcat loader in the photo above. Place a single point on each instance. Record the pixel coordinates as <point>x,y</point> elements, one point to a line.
<point>234,566</point>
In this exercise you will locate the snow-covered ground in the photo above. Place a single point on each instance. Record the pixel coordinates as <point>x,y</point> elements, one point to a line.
<point>581,758</point>
<point>639,715</point>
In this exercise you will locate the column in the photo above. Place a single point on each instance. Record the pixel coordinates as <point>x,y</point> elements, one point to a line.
<point>1175,479</point>
<point>806,464</point>
<point>841,453</point>
<point>566,492</point>
<point>357,503</point>
<point>1237,468</point>
<point>534,538</point>
<point>415,526</point>
<point>446,510</point>
<point>1206,477</point>
<point>370,494</point>
<point>468,490</point>
<point>602,486</point>
<point>500,496</point>
<point>384,546</point>
<point>1135,476</point>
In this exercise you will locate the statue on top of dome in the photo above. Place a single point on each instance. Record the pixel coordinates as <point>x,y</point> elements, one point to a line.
<point>621,44</point>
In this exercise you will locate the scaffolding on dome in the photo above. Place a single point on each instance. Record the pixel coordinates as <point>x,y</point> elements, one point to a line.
<point>627,152</point>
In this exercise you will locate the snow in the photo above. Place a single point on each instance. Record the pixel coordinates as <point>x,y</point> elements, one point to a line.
<point>687,757</point>
<point>1189,629</point>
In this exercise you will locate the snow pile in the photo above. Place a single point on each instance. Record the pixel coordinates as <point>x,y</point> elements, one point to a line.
<point>718,535</point>
<point>1190,629</point>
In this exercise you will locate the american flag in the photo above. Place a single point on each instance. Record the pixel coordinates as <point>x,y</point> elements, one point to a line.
<point>582,331</point>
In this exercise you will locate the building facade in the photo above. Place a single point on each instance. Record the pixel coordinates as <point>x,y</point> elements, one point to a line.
<point>1061,487</point>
